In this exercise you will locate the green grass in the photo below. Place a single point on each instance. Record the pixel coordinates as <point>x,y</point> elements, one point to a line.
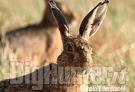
<point>112,43</point>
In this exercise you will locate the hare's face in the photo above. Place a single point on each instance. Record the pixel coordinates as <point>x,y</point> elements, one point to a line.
<point>77,51</point>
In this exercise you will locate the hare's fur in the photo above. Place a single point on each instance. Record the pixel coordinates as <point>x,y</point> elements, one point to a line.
<point>36,42</point>
<point>74,63</point>
<point>55,83</point>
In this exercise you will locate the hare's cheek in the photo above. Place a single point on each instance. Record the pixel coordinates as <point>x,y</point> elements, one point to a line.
<point>76,57</point>
<point>87,61</point>
<point>65,60</point>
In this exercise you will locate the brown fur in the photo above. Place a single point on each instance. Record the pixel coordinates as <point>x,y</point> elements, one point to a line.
<point>36,42</point>
<point>56,81</point>
<point>73,63</point>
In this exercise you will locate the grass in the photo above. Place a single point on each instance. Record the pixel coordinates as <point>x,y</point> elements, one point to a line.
<point>114,43</point>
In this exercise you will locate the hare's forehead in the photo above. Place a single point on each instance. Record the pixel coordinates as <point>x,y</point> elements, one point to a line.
<point>78,42</point>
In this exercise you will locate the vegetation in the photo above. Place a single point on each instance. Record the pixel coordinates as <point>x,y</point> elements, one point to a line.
<point>114,43</point>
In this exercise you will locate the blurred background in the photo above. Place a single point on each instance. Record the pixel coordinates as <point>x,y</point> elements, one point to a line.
<point>114,43</point>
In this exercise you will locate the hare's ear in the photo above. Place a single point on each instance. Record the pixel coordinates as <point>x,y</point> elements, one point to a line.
<point>60,19</point>
<point>93,20</point>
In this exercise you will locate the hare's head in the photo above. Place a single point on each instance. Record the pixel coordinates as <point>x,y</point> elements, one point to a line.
<point>68,13</point>
<point>76,49</point>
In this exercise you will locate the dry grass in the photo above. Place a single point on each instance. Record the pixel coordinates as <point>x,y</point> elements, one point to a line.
<point>114,43</point>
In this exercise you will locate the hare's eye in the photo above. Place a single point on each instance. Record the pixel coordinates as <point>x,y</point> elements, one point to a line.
<point>69,48</point>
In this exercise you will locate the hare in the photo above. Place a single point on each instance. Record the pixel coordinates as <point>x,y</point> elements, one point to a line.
<point>68,13</point>
<point>73,64</point>
<point>36,42</point>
